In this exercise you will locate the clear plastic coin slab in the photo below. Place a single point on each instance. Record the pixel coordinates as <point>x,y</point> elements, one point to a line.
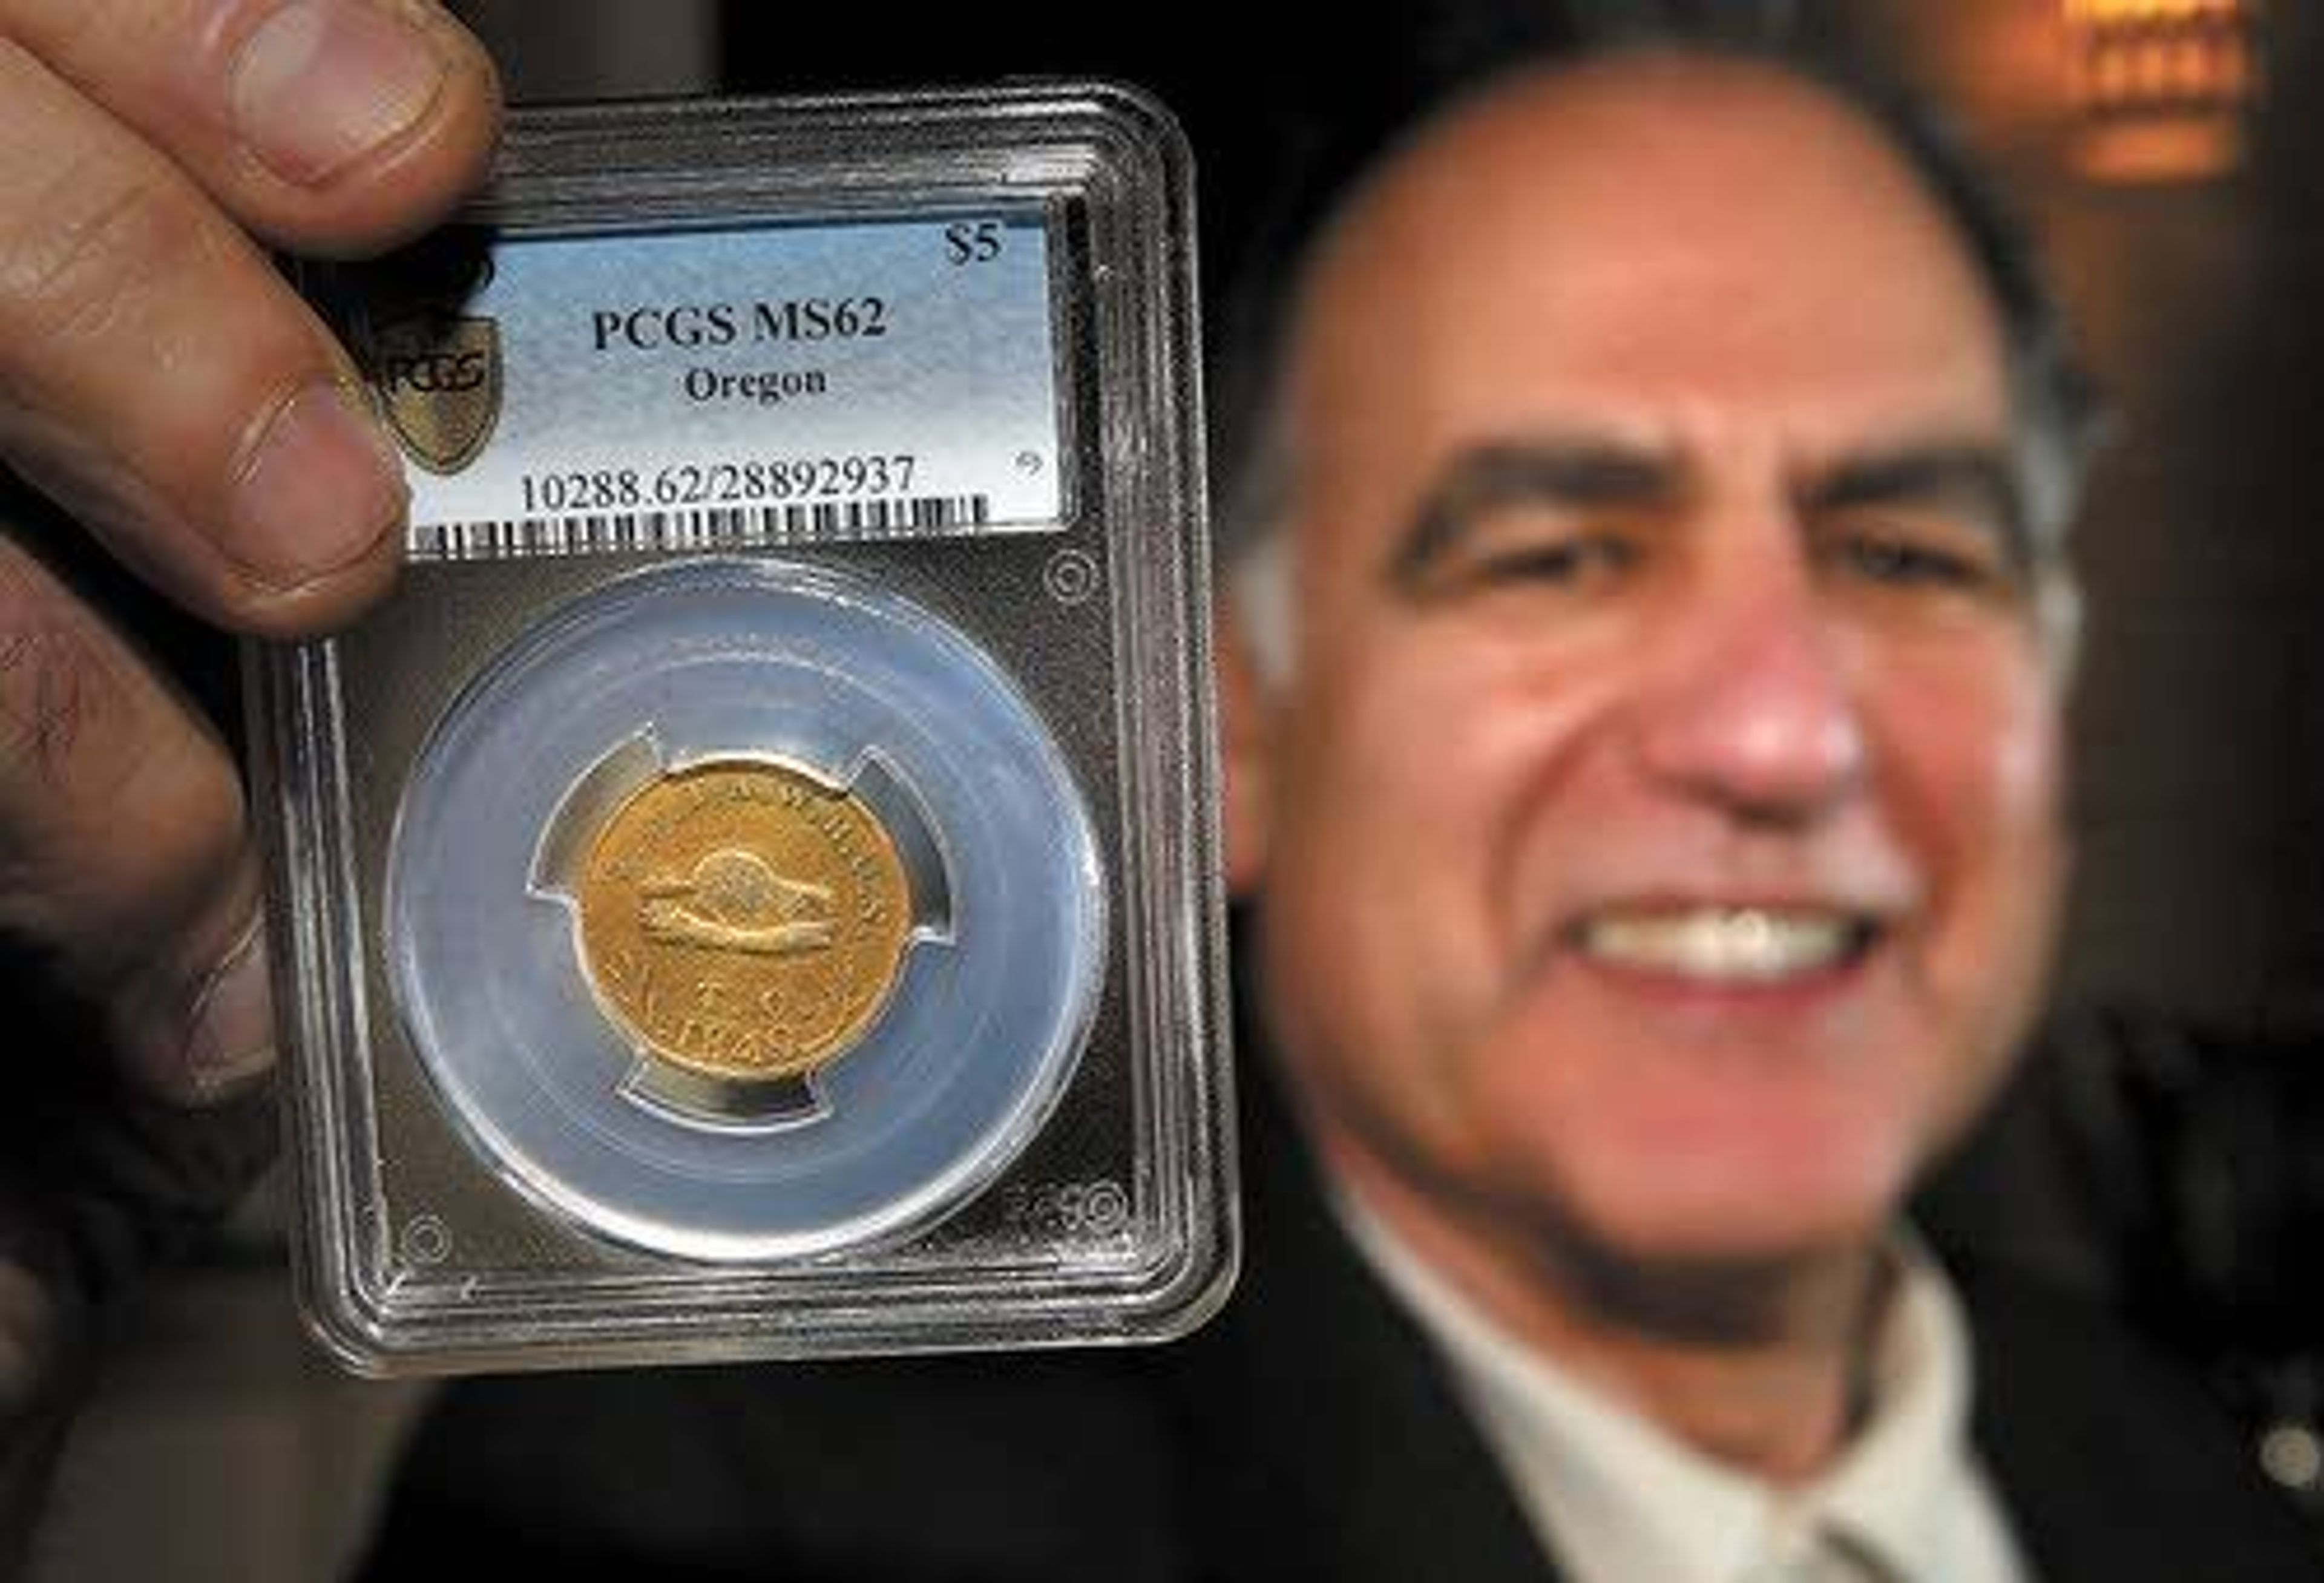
<point>751,890</point>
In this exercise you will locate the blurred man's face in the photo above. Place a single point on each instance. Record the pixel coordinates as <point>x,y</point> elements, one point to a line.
<point>1657,835</point>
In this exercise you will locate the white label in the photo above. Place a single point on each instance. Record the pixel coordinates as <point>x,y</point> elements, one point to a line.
<point>779,383</point>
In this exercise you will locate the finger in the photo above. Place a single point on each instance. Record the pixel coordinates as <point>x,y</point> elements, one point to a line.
<point>160,381</point>
<point>326,125</point>
<point>123,853</point>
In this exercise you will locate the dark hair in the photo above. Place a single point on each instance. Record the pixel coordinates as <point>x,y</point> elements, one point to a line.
<point>1343,131</point>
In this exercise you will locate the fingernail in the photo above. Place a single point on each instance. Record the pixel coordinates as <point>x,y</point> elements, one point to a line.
<point>232,1039</point>
<point>321,83</point>
<point>319,491</point>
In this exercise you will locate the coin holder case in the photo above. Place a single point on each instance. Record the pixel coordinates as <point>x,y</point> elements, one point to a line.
<point>750,890</point>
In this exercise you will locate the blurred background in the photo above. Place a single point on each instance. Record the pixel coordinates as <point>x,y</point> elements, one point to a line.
<point>2166,1148</point>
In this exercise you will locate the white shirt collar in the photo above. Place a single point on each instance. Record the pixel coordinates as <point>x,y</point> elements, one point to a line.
<point>1626,1501</point>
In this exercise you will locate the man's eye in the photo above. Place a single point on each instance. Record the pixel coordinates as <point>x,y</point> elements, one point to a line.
<point>1935,563</point>
<point>1571,559</point>
<point>1888,562</point>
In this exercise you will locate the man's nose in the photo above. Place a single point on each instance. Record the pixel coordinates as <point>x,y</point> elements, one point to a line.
<point>1752,703</point>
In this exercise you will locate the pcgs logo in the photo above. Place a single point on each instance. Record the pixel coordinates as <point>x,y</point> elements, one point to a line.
<point>438,377</point>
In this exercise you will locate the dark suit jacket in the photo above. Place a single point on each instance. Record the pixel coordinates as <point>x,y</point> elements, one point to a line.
<point>1306,1434</point>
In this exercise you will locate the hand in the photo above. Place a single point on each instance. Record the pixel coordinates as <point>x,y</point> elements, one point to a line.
<point>160,383</point>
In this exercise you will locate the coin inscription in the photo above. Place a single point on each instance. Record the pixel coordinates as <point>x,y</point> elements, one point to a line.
<point>742,920</point>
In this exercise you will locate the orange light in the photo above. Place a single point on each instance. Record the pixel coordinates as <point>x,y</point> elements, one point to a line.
<point>2162,87</point>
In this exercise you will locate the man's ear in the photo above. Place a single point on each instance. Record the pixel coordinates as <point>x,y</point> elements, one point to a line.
<point>1247,723</point>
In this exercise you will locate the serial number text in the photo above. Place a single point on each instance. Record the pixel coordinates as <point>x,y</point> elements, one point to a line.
<point>713,484</point>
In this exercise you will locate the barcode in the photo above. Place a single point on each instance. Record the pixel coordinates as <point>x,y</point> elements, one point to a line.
<point>705,527</point>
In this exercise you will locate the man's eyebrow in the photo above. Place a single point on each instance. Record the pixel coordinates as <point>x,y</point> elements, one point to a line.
<point>1581,472</point>
<point>1976,481</point>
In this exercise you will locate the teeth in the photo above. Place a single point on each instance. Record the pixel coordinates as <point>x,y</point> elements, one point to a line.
<point>1728,945</point>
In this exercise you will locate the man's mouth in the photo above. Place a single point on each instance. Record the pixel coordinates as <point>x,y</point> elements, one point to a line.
<point>1725,944</point>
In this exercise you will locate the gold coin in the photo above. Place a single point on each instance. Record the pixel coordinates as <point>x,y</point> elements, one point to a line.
<point>742,920</point>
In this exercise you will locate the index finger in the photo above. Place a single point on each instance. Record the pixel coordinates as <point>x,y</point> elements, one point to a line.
<point>324,125</point>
